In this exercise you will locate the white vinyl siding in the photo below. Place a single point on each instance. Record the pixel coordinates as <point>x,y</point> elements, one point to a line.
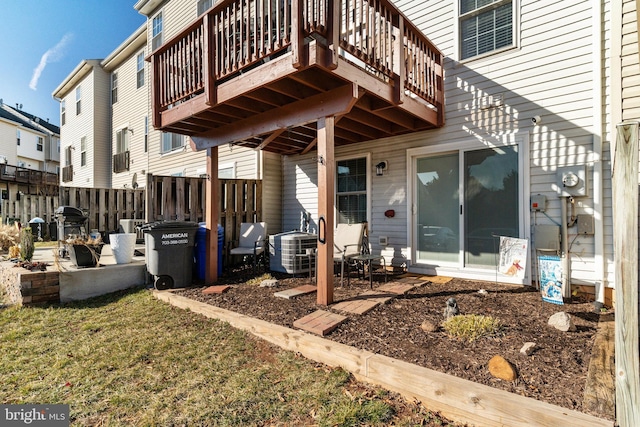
<point>550,74</point>
<point>272,181</point>
<point>129,119</point>
<point>94,124</point>
<point>630,63</point>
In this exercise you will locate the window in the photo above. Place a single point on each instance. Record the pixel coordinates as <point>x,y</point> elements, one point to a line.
<point>40,143</point>
<point>156,31</point>
<point>67,156</point>
<point>171,141</point>
<point>146,133</point>
<point>83,151</point>
<point>203,6</point>
<point>485,26</point>
<point>18,137</point>
<point>114,88</point>
<point>78,100</point>
<point>351,190</point>
<point>227,170</point>
<point>140,70</point>
<point>122,140</point>
<point>63,110</point>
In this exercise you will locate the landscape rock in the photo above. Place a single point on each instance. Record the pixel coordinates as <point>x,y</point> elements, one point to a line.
<point>528,348</point>
<point>500,368</point>
<point>562,322</point>
<point>483,292</point>
<point>451,308</point>
<point>269,283</point>
<point>428,326</point>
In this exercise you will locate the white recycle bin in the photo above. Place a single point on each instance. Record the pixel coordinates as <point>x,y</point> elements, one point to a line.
<point>123,246</point>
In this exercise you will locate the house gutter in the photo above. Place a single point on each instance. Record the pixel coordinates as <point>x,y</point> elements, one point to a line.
<point>598,205</point>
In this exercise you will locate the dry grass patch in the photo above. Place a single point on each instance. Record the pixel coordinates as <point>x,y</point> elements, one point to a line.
<point>128,359</point>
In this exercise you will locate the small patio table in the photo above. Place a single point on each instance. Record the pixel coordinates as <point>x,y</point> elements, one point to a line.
<point>366,259</point>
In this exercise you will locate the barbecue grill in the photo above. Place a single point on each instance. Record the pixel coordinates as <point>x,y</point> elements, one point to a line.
<point>70,220</point>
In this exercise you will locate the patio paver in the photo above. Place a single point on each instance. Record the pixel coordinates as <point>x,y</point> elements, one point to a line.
<point>396,287</point>
<point>296,292</point>
<point>218,289</point>
<point>416,281</point>
<point>320,322</point>
<point>363,303</point>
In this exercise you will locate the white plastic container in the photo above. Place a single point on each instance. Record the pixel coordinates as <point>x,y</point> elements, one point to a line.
<point>123,245</point>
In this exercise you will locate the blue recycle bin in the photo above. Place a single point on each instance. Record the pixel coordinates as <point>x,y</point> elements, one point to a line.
<point>200,249</point>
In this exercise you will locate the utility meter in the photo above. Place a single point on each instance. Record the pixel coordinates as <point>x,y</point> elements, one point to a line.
<point>571,181</point>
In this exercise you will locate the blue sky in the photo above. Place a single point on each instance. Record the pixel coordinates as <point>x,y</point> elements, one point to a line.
<point>42,41</point>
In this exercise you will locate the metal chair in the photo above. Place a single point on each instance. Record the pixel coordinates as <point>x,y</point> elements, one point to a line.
<point>252,241</point>
<point>347,242</point>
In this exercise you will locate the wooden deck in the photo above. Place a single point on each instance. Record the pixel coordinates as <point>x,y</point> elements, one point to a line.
<point>260,73</point>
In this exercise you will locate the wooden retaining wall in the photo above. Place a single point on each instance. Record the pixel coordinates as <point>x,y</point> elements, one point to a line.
<point>455,398</point>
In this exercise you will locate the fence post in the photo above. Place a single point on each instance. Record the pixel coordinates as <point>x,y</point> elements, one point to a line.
<point>625,237</point>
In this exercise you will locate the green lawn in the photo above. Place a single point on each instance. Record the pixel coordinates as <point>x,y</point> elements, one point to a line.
<point>128,359</point>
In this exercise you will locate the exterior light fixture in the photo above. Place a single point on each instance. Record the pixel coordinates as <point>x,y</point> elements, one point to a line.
<point>380,167</point>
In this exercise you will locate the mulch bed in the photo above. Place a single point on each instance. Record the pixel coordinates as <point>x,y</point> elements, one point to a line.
<point>555,373</point>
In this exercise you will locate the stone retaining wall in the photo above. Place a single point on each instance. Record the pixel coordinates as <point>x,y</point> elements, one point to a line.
<point>30,288</point>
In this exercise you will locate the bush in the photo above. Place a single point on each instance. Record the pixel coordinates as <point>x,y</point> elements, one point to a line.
<point>9,236</point>
<point>472,326</point>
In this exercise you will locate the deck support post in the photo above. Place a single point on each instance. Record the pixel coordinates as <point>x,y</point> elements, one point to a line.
<point>326,179</point>
<point>212,217</point>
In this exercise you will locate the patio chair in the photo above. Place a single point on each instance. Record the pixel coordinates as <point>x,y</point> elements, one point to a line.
<point>252,241</point>
<point>347,242</point>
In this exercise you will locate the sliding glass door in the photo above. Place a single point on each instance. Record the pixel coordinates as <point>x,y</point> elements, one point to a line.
<point>466,200</point>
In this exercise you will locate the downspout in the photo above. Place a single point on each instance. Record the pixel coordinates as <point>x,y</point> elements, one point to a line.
<point>598,204</point>
<point>565,260</point>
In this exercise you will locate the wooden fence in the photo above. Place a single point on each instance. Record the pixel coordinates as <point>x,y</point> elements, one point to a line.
<point>28,207</point>
<point>105,206</point>
<point>165,198</point>
<point>183,199</point>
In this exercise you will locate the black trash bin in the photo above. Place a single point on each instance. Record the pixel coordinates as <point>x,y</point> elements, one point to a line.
<point>169,252</point>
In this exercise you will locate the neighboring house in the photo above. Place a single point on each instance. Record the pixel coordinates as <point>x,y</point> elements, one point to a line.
<point>523,146</point>
<point>29,141</point>
<point>29,157</point>
<point>49,147</point>
<point>85,126</point>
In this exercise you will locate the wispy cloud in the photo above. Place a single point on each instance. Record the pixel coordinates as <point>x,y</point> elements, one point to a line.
<point>52,55</point>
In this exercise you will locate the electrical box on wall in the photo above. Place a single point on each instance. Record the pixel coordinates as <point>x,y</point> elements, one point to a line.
<point>546,237</point>
<point>538,203</point>
<point>585,224</point>
<point>572,181</point>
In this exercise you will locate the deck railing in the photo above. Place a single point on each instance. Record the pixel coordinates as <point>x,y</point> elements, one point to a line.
<point>238,34</point>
